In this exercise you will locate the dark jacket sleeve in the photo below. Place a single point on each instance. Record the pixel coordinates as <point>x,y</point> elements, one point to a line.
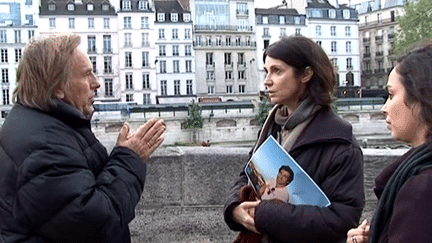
<point>411,218</point>
<point>232,201</point>
<point>343,184</point>
<point>65,202</point>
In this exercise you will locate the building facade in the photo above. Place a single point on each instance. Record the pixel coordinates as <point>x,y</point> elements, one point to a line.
<point>377,29</point>
<point>175,54</point>
<point>335,28</point>
<point>225,50</point>
<point>19,22</point>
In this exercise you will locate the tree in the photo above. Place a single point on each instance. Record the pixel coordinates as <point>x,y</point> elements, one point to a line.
<point>415,25</point>
<point>195,120</point>
<point>264,108</point>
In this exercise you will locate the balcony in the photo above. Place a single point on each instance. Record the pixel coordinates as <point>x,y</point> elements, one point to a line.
<point>366,55</point>
<point>229,28</point>
<point>229,66</point>
<point>379,53</point>
<point>379,38</point>
<point>210,66</point>
<point>366,40</point>
<point>92,50</point>
<point>243,12</point>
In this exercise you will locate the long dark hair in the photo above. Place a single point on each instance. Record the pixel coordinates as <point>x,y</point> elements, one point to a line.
<point>301,52</point>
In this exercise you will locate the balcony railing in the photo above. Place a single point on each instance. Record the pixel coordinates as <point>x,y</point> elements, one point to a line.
<point>222,28</point>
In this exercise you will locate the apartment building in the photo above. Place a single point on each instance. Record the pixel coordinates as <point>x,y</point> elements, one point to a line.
<point>175,57</point>
<point>19,22</point>
<point>225,50</point>
<point>377,28</point>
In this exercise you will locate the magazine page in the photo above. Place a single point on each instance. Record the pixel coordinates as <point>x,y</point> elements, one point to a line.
<point>268,168</point>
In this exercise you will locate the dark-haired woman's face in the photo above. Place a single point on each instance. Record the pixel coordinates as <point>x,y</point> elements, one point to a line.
<point>282,83</point>
<point>403,120</point>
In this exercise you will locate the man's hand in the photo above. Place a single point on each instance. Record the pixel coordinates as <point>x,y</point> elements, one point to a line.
<point>244,215</point>
<point>144,141</point>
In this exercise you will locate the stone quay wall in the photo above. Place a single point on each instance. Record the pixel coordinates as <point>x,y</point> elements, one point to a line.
<point>186,186</point>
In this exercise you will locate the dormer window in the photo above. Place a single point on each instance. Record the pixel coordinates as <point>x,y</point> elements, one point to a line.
<point>161,17</point>
<point>174,17</point>
<point>105,7</point>
<point>143,5</point>
<point>71,7</point>
<point>51,7</point>
<point>186,17</point>
<point>126,5</point>
<point>346,14</point>
<point>332,13</point>
<point>90,7</point>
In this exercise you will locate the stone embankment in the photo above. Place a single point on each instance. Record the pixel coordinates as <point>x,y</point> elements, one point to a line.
<point>185,189</point>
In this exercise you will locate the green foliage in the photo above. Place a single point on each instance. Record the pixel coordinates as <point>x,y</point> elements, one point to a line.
<point>415,25</point>
<point>264,108</point>
<point>195,119</point>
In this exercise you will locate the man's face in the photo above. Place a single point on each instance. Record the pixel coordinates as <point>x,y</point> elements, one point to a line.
<point>283,178</point>
<point>82,83</point>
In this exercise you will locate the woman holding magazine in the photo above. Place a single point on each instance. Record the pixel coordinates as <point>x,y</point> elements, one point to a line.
<point>300,82</point>
<point>404,188</point>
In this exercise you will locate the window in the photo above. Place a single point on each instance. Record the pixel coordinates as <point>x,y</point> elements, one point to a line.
<point>71,7</point>
<point>210,89</point>
<point>18,54</point>
<point>91,23</point>
<point>107,43</point>
<point>175,34</point>
<point>228,59</point>
<point>144,22</point>
<point>187,34</point>
<point>242,88</point>
<point>90,7</point>
<point>210,75</point>
<point>31,34</point>
<point>126,5</point>
<point>145,59</point>
<point>238,40</point>
<point>105,7</point>
<point>3,36</point>
<point>265,20</point>
<point>319,43</point>
<point>145,39</point>
<point>198,40</point>
<point>127,23</point>
<point>93,63</point>
<point>129,81</point>
<point>188,50</point>
<point>91,44</point>
<point>129,98</point>
<point>175,50</point>
<point>228,40</point>
<point>281,19</point>
<point>6,96</point>
<point>297,31</point>
<point>188,66</point>
<point>174,17</point>
<point>266,32</point>
<point>146,99</point>
<point>52,22</point>
<point>189,88</point>
<point>248,40</point>
<point>333,30</point>
<point>107,65</point>
<point>349,63</point>
<point>4,55</point>
<point>296,20</point>
<point>162,66</point>
<point>161,17</point>
<point>17,36</point>
<point>379,17</point>
<point>208,40</point>
<point>176,87</point>
<point>5,75</point>
<point>332,13</point>
<point>282,32</point>
<point>146,80</point>
<point>333,46</point>
<point>241,75</point>
<point>162,51</point>
<point>143,5</point>
<point>229,89</point>
<point>186,17</point>
<point>348,46</point>
<point>163,84</point>
<point>161,33</point>
<point>240,59</point>
<point>218,40</point>
<point>334,62</point>
<point>29,19</point>
<point>106,22</point>
<point>242,8</point>
<point>71,23</point>
<point>346,14</point>
<point>228,75</point>
<point>51,7</point>
<point>318,30</point>
<point>128,59</point>
<point>209,58</point>
<point>108,88</point>
<point>176,66</point>
<point>347,31</point>
<point>128,39</point>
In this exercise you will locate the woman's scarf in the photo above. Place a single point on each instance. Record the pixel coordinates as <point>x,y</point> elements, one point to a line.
<point>418,160</point>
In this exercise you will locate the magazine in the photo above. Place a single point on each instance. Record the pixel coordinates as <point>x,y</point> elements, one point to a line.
<point>263,169</point>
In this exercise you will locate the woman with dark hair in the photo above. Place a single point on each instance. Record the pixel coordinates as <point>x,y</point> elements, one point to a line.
<point>300,82</point>
<point>404,188</point>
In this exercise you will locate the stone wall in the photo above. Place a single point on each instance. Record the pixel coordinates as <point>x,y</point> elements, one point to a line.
<point>185,189</point>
